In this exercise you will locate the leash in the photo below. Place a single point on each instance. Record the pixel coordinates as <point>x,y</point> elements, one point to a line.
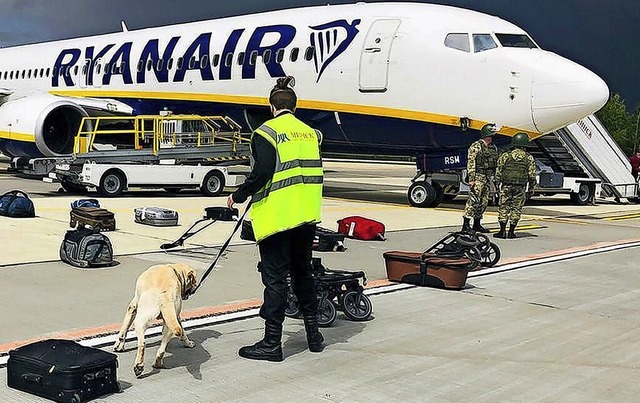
<point>222,249</point>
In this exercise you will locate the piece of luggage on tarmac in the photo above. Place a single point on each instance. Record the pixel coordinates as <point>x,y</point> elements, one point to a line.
<point>221,213</point>
<point>16,203</point>
<point>362,228</point>
<point>85,203</point>
<point>97,218</point>
<point>84,247</point>
<point>156,216</point>
<point>427,269</point>
<point>62,370</point>
<point>326,240</point>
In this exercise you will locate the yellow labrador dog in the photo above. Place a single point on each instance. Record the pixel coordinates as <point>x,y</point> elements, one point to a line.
<point>159,294</point>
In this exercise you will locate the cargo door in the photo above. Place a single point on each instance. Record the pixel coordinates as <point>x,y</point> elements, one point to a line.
<point>374,60</point>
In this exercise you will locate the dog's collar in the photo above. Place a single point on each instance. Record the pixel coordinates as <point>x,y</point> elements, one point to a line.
<point>183,288</point>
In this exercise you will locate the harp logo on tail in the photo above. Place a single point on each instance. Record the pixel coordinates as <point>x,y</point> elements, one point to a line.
<point>330,40</point>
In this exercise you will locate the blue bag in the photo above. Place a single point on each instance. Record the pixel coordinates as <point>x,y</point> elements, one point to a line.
<point>85,203</point>
<point>16,203</point>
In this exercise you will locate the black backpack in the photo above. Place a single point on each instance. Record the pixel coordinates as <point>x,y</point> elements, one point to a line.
<point>83,247</point>
<point>16,203</point>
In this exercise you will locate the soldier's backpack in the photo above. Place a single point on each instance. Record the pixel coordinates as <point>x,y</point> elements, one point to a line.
<point>16,203</point>
<point>84,247</point>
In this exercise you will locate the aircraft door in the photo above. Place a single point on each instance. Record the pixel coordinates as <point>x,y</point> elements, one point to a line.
<point>374,60</point>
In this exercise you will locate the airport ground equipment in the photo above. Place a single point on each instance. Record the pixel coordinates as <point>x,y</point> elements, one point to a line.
<point>173,152</point>
<point>338,290</point>
<point>63,371</point>
<point>581,160</point>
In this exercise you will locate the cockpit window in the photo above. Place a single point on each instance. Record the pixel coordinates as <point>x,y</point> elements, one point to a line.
<point>457,41</point>
<point>482,42</point>
<point>516,41</point>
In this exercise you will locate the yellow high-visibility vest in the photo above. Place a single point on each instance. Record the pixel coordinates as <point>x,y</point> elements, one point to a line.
<point>293,196</point>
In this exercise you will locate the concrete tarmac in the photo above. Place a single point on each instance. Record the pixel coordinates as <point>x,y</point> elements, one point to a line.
<point>556,320</point>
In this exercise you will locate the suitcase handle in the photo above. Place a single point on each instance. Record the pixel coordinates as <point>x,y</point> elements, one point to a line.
<point>97,375</point>
<point>35,378</point>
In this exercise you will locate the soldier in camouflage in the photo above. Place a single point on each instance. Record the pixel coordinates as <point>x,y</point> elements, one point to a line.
<point>516,169</point>
<point>481,168</point>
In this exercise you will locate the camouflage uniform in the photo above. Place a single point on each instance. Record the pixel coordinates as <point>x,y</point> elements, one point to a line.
<point>516,168</point>
<point>481,166</point>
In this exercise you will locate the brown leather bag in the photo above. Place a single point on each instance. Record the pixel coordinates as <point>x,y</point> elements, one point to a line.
<point>95,217</point>
<point>427,269</point>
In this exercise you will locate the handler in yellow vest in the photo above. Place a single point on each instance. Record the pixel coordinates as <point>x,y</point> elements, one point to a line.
<point>286,189</point>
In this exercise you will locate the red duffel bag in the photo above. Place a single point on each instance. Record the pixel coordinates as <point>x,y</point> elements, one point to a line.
<point>357,227</point>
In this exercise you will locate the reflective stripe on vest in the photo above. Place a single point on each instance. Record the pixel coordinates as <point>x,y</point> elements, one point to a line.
<point>293,196</point>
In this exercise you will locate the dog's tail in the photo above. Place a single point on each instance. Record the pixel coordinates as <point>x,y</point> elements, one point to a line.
<point>168,312</point>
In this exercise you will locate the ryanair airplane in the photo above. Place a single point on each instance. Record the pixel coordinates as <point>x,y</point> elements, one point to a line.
<point>389,78</point>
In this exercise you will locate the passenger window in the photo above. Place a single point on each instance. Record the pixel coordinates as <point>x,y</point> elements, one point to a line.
<point>140,66</point>
<point>149,64</point>
<point>75,70</point>
<point>29,74</point>
<point>98,68</point>
<point>294,54</point>
<point>266,56</point>
<point>170,64</point>
<point>159,65</point>
<point>482,42</point>
<point>458,41</point>
<point>22,74</point>
<point>308,54</point>
<point>114,68</point>
<point>11,76</point>
<point>241,58</point>
<point>280,55</point>
<point>204,62</point>
<point>192,62</point>
<point>48,71</point>
<point>216,60</point>
<point>253,57</point>
<point>180,63</point>
<point>228,59</point>
<point>41,73</point>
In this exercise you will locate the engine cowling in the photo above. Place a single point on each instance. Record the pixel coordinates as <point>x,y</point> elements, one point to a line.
<point>49,121</point>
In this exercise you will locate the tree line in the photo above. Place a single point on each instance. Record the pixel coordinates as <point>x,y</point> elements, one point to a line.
<point>622,125</point>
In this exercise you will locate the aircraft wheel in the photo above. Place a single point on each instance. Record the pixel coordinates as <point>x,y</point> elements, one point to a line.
<point>213,184</point>
<point>583,197</point>
<point>421,194</point>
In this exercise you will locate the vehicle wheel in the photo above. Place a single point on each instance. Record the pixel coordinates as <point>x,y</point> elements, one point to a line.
<point>327,312</point>
<point>213,184</point>
<point>72,188</point>
<point>490,255</point>
<point>583,196</point>
<point>292,309</point>
<point>421,194</point>
<point>439,194</point>
<point>356,306</point>
<point>112,183</point>
<point>473,254</point>
<point>172,190</point>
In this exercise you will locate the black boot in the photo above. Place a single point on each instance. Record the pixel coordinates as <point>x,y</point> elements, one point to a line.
<point>314,337</point>
<point>268,348</point>
<point>503,231</point>
<point>479,228</point>
<point>466,224</point>
<point>512,233</point>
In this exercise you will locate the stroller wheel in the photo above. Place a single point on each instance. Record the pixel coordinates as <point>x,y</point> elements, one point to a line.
<point>326,312</point>
<point>356,306</point>
<point>490,255</point>
<point>292,309</point>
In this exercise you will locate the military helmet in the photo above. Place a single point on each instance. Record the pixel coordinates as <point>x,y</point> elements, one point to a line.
<point>488,130</point>
<point>520,140</point>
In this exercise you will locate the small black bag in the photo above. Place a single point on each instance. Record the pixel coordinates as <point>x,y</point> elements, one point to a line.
<point>16,203</point>
<point>221,213</point>
<point>62,370</point>
<point>326,240</point>
<point>83,247</point>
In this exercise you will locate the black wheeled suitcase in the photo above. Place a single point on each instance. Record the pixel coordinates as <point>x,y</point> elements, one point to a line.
<point>156,216</point>
<point>62,370</point>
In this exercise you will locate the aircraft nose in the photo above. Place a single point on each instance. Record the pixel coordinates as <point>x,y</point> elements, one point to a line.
<point>563,92</point>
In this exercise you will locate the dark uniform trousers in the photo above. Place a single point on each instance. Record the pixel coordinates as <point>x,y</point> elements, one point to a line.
<point>282,253</point>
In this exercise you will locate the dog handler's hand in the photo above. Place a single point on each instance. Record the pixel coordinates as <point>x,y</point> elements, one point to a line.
<point>230,201</point>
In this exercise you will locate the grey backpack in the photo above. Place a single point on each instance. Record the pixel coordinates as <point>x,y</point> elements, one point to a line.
<point>83,247</point>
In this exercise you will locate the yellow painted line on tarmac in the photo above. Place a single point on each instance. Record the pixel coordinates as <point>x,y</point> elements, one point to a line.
<point>623,217</point>
<point>522,227</point>
<point>564,221</point>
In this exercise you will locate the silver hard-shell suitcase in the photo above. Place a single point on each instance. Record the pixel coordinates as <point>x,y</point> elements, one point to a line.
<point>156,216</point>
